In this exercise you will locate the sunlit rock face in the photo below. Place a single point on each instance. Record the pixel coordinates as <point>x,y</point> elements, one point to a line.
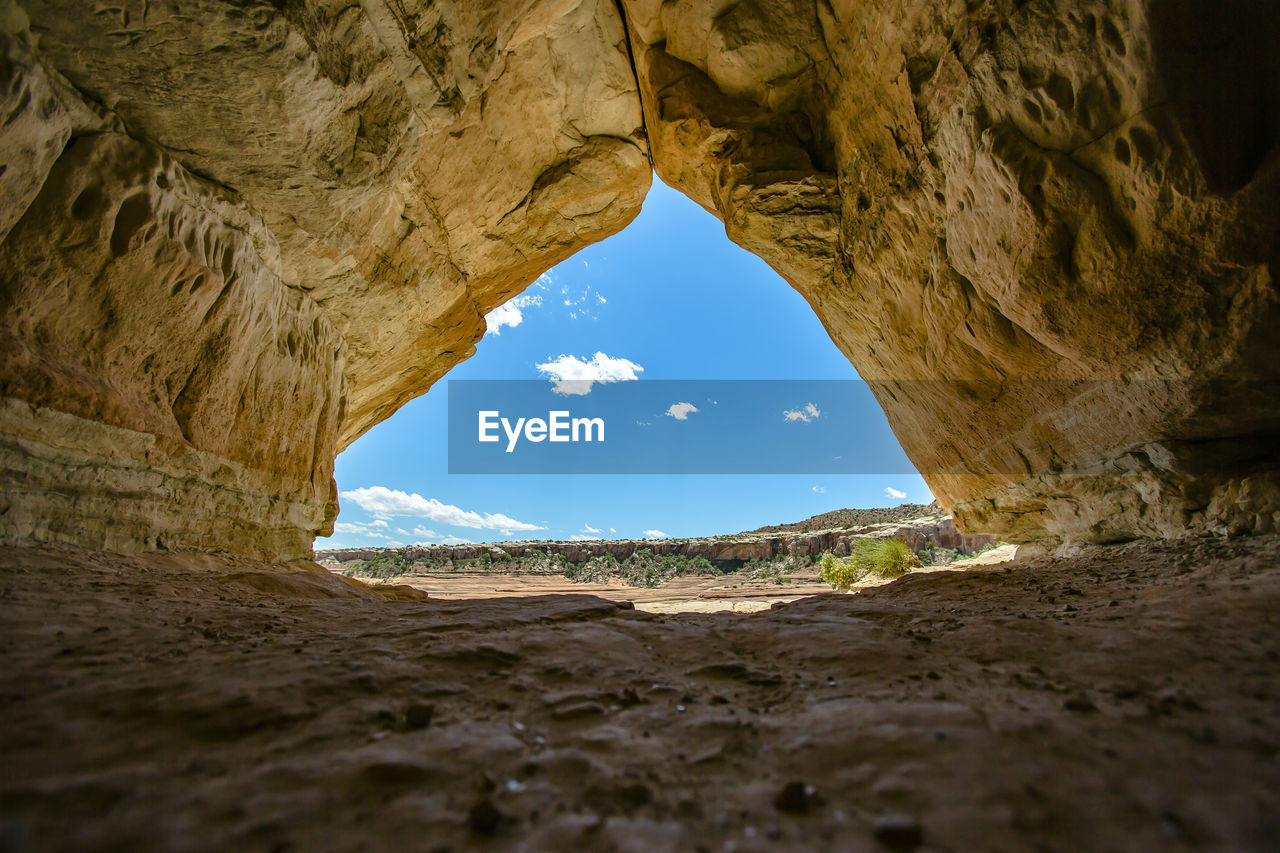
<point>237,235</point>
<point>1045,231</point>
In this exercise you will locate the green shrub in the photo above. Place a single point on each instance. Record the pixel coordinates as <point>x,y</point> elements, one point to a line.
<point>884,558</point>
<point>841,574</point>
<point>381,566</point>
<point>642,568</point>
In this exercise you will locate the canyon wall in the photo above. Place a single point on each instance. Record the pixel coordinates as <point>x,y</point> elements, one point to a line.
<point>235,235</point>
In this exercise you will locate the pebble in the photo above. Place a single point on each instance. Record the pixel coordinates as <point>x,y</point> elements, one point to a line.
<point>898,832</point>
<point>1080,703</point>
<point>796,798</point>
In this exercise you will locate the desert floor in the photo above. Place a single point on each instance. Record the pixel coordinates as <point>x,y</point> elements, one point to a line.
<point>1124,698</point>
<point>733,592</point>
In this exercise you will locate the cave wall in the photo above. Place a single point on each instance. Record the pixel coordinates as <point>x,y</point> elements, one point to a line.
<point>1044,231</point>
<point>235,234</point>
<point>238,234</point>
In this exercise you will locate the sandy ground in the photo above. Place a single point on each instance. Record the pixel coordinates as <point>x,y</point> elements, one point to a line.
<point>679,595</point>
<point>1125,699</point>
<point>731,593</point>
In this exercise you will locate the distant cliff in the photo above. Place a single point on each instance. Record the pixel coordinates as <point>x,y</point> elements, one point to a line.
<point>726,552</point>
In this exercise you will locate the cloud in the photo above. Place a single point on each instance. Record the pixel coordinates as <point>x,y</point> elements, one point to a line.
<point>571,375</point>
<point>804,414</point>
<point>681,411</point>
<point>819,489</point>
<point>891,492</point>
<point>510,313</point>
<point>587,528</point>
<point>425,533</point>
<point>611,530</point>
<point>579,538</point>
<point>654,534</point>
<point>372,529</point>
<point>382,502</point>
<point>458,540</point>
<point>582,301</point>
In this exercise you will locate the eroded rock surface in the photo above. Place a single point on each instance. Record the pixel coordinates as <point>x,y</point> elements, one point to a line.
<point>1046,232</point>
<point>234,236</point>
<point>1125,699</point>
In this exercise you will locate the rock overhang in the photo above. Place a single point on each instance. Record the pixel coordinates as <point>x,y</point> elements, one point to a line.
<point>275,224</point>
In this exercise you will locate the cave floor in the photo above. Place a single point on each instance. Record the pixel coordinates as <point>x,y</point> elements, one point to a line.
<point>1125,698</point>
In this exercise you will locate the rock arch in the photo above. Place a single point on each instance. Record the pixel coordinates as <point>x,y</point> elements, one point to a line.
<point>235,235</point>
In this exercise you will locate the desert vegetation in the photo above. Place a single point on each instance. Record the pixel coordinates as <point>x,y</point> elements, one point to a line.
<point>869,558</point>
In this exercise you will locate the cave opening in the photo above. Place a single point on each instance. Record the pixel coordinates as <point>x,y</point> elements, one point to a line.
<point>701,315</point>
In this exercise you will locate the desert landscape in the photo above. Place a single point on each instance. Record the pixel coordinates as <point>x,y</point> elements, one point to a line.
<point>738,573</point>
<point>236,236</point>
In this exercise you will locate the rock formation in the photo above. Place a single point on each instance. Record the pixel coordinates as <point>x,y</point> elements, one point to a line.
<point>235,235</point>
<point>727,552</point>
<point>1045,232</point>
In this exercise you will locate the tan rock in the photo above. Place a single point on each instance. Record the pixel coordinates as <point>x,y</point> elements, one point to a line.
<point>234,237</point>
<point>274,227</point>
<point>1045,233</point>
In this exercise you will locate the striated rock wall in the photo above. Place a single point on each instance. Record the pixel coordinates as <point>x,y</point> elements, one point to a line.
<point>1044,231</point>
<point>235,235</point>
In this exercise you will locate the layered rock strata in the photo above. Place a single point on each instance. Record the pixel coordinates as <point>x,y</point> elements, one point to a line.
<point>235,235</point>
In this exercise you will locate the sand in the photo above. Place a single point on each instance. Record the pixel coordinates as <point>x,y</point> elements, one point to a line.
<point>1125,698</point>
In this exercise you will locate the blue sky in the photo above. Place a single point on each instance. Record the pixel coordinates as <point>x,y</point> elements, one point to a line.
<point>669,298</point>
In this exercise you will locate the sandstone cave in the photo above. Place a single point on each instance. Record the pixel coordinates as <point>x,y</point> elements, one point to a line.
<point>237,234</point>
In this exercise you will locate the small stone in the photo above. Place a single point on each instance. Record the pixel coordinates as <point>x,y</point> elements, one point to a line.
<point>484,818</point>
<point>796,798</point>
<point>418,716</point>
<point>1080,703</point>
<point>898,832</point>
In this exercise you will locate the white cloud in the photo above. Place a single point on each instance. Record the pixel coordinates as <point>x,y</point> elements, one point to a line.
<point>819,489</point>
<point>510,313</point>
<point>587,528</point>
<point>681,411</point>
<point>579,538</point>
<point>654,534</point>
<point>390,503</point>
<point>571,375</point>
<point>581,301</point>
<point>425,533</point>
<point>458,540</point>
<point>611,530</point>
<point>804,414</point>
<point>361,528</point>
<point>891,492</point>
